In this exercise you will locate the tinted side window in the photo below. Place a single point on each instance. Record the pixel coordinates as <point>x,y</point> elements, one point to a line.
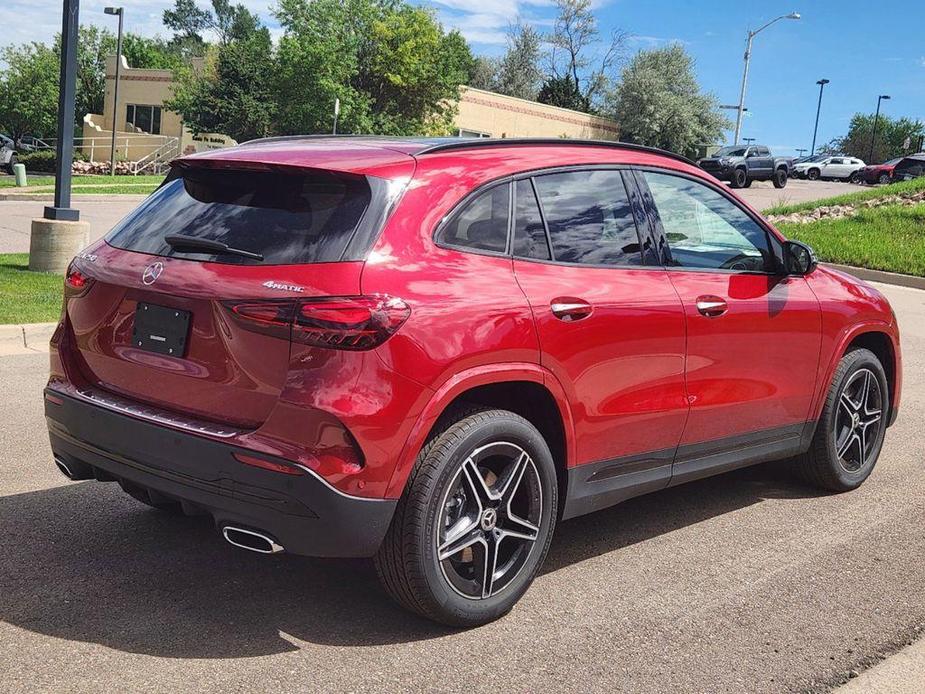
<point>482,223</point>
<point>704,229</point>
<point>589,217</point>
<point>764,151</point>
<point>529,232</point>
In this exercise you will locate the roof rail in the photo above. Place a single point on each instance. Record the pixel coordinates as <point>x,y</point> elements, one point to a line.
<point>474,142</point>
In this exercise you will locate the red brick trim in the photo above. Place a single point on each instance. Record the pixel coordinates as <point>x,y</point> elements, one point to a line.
<point>592,122</point>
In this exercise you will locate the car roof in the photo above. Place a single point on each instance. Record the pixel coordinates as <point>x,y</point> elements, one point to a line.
<point>374,155</point>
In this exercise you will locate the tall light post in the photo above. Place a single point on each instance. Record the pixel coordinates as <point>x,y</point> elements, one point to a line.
<point>115,90</point>
<point>748,55</point>
<point>873,134</point>
<point>821,84</point>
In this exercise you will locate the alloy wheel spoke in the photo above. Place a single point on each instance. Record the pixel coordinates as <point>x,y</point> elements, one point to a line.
<point>514,477</point>
<point>489,564</point>
<point>848,404</point>
<point>462,534</point>
<point>476,483</point>
<point>520,528</point>
<point>846,444</point>
<point>865,390</point>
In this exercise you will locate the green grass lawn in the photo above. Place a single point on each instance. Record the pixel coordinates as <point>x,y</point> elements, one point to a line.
<point>912,186</point>
<point>888,238</point>
<point>92,184</point>
<point>28,297</point>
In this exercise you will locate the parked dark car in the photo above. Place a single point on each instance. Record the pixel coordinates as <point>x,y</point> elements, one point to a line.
<point>431,351</point>
<point>912,166</point>
<point>741,165</point>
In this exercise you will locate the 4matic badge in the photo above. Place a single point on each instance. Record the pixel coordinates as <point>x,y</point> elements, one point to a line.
<point>270,284</point>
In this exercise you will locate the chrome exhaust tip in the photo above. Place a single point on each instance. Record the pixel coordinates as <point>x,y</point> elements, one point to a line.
<point>251,540</point>
<point>74,471</point>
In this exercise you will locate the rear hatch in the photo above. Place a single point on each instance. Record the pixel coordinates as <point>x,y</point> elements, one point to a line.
<point>191,296</point>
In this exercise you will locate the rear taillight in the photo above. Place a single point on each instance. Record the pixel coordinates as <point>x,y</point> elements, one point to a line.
<point>342,322</point>
<point>76,283</point>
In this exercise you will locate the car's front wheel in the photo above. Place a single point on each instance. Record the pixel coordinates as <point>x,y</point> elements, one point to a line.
<point>13,161</point>
<point>738,179</point>
<point>849,434</point>
<point>813,174</point>
<point>475,521</point>
<point>883,179</point>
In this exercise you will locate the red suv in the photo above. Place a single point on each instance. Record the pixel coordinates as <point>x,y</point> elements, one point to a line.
<point>431,351</point>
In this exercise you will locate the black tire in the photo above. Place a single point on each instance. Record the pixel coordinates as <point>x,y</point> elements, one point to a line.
<point>748,183</point>
<point>813,174</point>
<point>855,177</point>
<point>780,178</point>
<point>450,590</point>
<point>152,499</point>
<point>738,179</point>
<point>883,179</point>
<point>822,465</point>
<point>13,162</point>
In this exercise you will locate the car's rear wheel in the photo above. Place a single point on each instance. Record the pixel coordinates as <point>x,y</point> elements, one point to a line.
<point>780,178</point>
<point>475,521</point>
<point>13,161</point>
<point>813,174</point>
<point>849,434</point>
<point>883,178</point>
<point>738,179</point>
<point>855,177</point>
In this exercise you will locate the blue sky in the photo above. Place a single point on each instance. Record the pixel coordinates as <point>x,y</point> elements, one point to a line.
<point>864,47</point>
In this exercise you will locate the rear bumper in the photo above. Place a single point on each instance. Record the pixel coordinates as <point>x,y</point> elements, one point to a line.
<point>303,513</point>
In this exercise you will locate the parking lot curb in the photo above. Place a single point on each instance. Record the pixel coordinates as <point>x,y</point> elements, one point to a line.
<point>28,338</point>
<point>893,278</point>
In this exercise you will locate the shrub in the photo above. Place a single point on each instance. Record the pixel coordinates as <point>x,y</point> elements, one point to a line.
<point>43,161</point>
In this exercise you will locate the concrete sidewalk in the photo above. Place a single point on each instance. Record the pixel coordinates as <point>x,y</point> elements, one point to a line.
<point>28,338</point>
<point>902,673</point>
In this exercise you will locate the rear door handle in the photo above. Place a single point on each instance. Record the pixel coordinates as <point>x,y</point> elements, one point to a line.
<point>570,309</point>
<point>711,306</point>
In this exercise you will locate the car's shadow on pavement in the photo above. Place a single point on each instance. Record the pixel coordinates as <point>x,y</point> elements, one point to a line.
<point>85,562</point>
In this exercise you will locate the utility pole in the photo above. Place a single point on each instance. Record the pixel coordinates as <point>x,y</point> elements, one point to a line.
<point>748,54</point>
<point>115,90</point>
<point>873,134</point>
<point>821,84</point>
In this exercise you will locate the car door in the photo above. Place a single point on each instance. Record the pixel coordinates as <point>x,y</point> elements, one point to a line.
<point>610,327</point>
<point>765,163</point>
<point>836,168</point>
<point>753,334</point>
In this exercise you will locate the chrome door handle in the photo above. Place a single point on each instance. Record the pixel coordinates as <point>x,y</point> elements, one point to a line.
<point>711,306</point>
<point>569,309</point>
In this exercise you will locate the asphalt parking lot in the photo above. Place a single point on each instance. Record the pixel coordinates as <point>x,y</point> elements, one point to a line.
<point>748,582</point>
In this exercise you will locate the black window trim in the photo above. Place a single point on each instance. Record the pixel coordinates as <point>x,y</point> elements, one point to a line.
<point>774,242</point>
<point>531,174</point>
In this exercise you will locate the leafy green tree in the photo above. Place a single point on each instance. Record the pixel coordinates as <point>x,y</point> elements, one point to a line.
<point>149,53</point>
<point>890,141</point>
<point>577,53</point>
<point>233,94</point>
<point>28,90</point>
<point>392,66</point>
<point>659,103</point>
<point>484,73</point>
<point>519,72</point>
<point>561,91</point>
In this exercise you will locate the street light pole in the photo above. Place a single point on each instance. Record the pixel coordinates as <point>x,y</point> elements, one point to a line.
<point>115,90</point>
<point>748,56</point>
<point>64,148</point>
<point>821,84</point>
<point>873,134</point>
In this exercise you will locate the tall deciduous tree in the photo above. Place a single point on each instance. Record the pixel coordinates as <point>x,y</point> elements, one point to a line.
<point>659,103</point>
<point>484,73</point>
<point>890,141</point>
<point>519,73</point>
<point>28,90</point>
<point>579,58</point>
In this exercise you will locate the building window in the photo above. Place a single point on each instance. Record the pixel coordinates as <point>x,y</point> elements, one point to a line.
<point>145,118</point>
<point>471,133</point>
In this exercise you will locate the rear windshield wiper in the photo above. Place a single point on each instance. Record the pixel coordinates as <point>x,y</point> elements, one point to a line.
<point>194,243</point>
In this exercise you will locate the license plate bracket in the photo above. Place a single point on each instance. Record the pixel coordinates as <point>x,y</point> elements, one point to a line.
<point>161,329</point>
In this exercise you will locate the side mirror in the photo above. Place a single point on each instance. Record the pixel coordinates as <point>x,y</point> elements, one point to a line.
<point>801,260</point>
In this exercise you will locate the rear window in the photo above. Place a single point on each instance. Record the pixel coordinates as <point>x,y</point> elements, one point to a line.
<point>286,218</point>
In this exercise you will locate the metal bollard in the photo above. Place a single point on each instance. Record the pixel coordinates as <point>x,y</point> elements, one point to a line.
<point>19,170</point>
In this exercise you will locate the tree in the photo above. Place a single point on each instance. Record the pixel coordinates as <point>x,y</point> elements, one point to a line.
<point>659,103</point>
<point>889,143</point>
<point>29,90</point>
<point>574,40</point>
<point>150,53</point>
<point>233,94</point>
<point>561,91</point>
<point>484,73</point>
<point>519,71</point>
<point>390,63</point>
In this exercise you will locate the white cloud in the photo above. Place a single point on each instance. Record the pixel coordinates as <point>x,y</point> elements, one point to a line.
<point>488,23</point>
<point>654,41</point>
<point>922,61</point>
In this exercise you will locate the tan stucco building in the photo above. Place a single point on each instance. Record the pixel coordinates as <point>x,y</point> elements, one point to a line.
<point>144,127</point>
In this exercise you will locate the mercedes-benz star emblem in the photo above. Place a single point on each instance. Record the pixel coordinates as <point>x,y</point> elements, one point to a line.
<point>151,273</point>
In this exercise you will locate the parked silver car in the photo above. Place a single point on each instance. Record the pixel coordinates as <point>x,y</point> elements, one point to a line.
<point>7,153</point>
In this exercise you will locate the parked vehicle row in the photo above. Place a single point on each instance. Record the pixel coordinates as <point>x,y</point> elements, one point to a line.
<point>432,351</point>
<point>741,165</point>
<point>824,167</point>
